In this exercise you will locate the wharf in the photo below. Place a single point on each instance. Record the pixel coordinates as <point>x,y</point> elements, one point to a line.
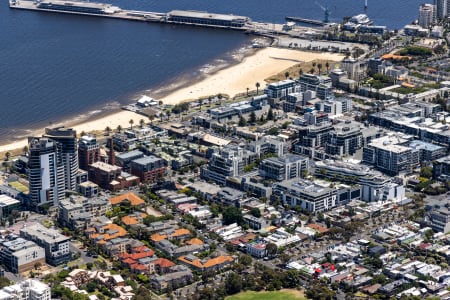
<point>188,18</point>
<point>307,21</point>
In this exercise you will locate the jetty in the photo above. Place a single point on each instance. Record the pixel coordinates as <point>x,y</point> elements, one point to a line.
<point>181,17</point>
<point>306,21</point>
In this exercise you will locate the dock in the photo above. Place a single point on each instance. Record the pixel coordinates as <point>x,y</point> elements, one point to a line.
<point>174,17</point>
<point>306,21</point>
<point>192,18</point>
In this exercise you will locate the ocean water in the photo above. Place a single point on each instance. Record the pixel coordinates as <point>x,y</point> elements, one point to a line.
<point>56,67</point>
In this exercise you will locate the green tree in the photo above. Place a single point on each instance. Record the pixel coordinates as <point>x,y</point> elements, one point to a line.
<point>4,282</point>
<point>271,249</point>
<point>245,259</point>
<point>285,258</point>
<point>426,172</point>
<point>319,67</point>
<point>262,120</point>
<point>252,117</point>
<point>380,278</point>
<point>233,284</point>
<point>273,131</point>
<point>291,279</point>
<point>255,212</point>
<point>270,115</point>
<point>91,287</point>
<point>242,121</point>
<point>319,292</point>
<point>142,293</point>
<point>257,87</point>
<point>231,215</point>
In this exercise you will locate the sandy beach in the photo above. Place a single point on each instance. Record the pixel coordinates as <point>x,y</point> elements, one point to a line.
<point>252,69</point>
<point>232,80</point>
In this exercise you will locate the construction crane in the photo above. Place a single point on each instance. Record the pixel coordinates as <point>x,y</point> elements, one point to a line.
<point>326,11</point>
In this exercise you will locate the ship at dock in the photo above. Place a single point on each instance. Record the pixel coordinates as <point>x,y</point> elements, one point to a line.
<point>356,22</point>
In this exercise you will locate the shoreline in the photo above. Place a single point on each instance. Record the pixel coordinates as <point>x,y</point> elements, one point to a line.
<point>109,109</point>
<point>255,66</point>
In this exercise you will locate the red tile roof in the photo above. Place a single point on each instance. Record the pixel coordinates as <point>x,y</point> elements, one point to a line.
<point>139,267</point>
<point>130,196</point>
<point>163,263</point>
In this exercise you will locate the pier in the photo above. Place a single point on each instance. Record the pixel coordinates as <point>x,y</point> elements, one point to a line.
<point>307,21</point>
<point>188,18</point>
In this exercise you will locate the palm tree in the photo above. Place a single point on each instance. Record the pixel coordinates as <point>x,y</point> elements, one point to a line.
<point>131,123</point>
<point>312,71</point>
<point>220,96</point>
<point>108,130</point>
<point>151,117</point>
<point>257,87</point>
<point>319,66</point>
<point>327,65</point>
<point>286,74</point>
<point>25,150</point>
<point>247,91</point>
<point>141,123</point>
<point>7,155</point>
<point>300,72</point>
<point>314,64</point>
<point>119,128</point>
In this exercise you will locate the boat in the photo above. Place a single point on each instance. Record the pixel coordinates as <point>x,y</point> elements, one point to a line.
<point>361,19</point>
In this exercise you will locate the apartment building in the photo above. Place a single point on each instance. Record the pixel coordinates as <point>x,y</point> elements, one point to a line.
<point>309,195</point>
<point>55,244</point>
<point>229,161</point>
<point>29,289</point>
<point>389,155</point>
<point>88,151</point>
<point>148,168</point>
<point>19,255</point>
<point>283,168</point>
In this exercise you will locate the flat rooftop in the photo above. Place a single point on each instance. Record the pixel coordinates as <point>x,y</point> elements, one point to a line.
<point>105,167</point>
<point>40,232</point>
<point>7,200</point>
<point>205,15</point>
<point>305,187</point>
<point>391,142</point>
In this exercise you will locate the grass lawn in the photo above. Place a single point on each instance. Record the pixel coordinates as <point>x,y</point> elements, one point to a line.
<point>276,295</point>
